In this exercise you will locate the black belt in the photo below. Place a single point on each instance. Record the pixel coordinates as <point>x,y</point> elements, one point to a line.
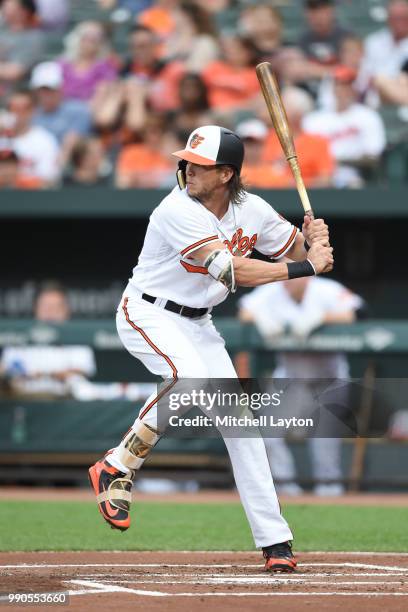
<point>184,311</point>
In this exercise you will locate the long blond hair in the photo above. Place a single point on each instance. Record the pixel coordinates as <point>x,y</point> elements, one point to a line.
<point>72,40</point>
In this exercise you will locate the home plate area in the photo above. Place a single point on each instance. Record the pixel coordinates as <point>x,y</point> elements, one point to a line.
<point>221,580</point>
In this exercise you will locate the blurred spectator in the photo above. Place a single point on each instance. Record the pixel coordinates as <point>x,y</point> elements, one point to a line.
<point>262,23</point>
<point>145,66</point>
<point>393,90</point>
<point>256,172</point>
<point>318,49</point>
<point>119,111</point>
<point>86,63</point>
<point>232,81</point>
<point>48,370</point>
<point>10,175</point>
<point>194,108</point>
<point>356,132</point>
<point>147,164</point>
<point>321,41</point>
<point>21,42</point>
<point>351,55</point>
<point>194,39</point>
<point>67,120</point>
<point>53,14</point>
<point>315,157</point>
<point>89,165</point>
<point>36,148</point>
<point>303,305</point>
<point>386,50</point>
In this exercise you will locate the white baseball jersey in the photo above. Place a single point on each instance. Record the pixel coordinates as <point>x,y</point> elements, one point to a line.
<point>353,134</point>
<point>322,295</point>
<point>180,225</point>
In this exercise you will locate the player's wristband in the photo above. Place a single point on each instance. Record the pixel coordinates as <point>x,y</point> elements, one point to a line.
<point>307,247</point>
<point>297,269</point>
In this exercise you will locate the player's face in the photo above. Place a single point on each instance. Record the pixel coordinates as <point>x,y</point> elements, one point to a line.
<point>203,181</point>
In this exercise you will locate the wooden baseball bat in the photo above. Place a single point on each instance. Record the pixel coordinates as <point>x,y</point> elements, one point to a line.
<point>271,93</point>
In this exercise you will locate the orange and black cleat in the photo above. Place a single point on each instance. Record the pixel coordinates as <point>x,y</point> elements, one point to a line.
<point>279,558</point>
<point>113,493</point>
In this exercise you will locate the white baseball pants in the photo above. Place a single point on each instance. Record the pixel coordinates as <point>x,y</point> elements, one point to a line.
<point>170,345</point>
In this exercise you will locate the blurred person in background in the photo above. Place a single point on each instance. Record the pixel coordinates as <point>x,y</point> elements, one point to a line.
<point>263,24</point>
<point>315,157</point>
<point>194,38</point>
<point>36,148</point>
<point>11,176</point>
<point>53,15</point>
<point>321,41</point>
<point>144,66</point>
<point>317,50</point>
<point>119,112</point>
<point>256,172</point>
<point>356,132</point>
<point>386,50</point>
<point>147,164</point>
<point>22,44</point>
<point>68,120</point>
<point>87,61</point>
<point>89,166</point>
<point>194,108</point>
<point>351,55</point>
<point>303,305</point>
<point>232,82</point>
<point>47,370</point>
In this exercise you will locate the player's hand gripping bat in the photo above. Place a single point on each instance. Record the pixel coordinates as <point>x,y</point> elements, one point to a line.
<point>271,93</point>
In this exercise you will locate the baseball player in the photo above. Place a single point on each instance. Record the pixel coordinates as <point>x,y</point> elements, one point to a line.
<point>196,251</point>
<point>300,306</point>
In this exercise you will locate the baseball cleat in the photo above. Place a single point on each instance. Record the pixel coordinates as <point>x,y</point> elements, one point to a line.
<point>279,558</point>
<point>113,493</point>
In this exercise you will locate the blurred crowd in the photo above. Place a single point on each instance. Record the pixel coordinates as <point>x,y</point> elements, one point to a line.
<point>102,113</point>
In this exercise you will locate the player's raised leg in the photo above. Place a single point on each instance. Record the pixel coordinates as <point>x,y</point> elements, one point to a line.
<point>173,356</point>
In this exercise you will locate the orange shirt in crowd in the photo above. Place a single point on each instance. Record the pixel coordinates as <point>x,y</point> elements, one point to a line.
<point>315,158</point>
<point>230,87</point>
<point>263,176</point>
<point>143,166</point>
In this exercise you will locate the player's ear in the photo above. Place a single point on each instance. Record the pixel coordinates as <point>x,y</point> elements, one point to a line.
<point>226,173</point>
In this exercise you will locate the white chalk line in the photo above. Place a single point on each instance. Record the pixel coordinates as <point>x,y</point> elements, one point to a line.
<point>103,588</point>
<point>219,580</point>
<point>267,577</point>
<point>200,565</point>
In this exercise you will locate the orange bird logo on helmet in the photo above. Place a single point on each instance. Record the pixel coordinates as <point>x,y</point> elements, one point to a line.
<point>196,140</point>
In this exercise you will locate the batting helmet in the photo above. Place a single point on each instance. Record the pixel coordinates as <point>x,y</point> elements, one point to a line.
<point>212,145</point>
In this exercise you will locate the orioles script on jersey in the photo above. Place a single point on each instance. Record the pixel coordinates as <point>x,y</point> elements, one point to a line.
<point>180,225</point>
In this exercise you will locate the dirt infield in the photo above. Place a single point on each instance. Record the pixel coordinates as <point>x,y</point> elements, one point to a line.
<point>182,581</point>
